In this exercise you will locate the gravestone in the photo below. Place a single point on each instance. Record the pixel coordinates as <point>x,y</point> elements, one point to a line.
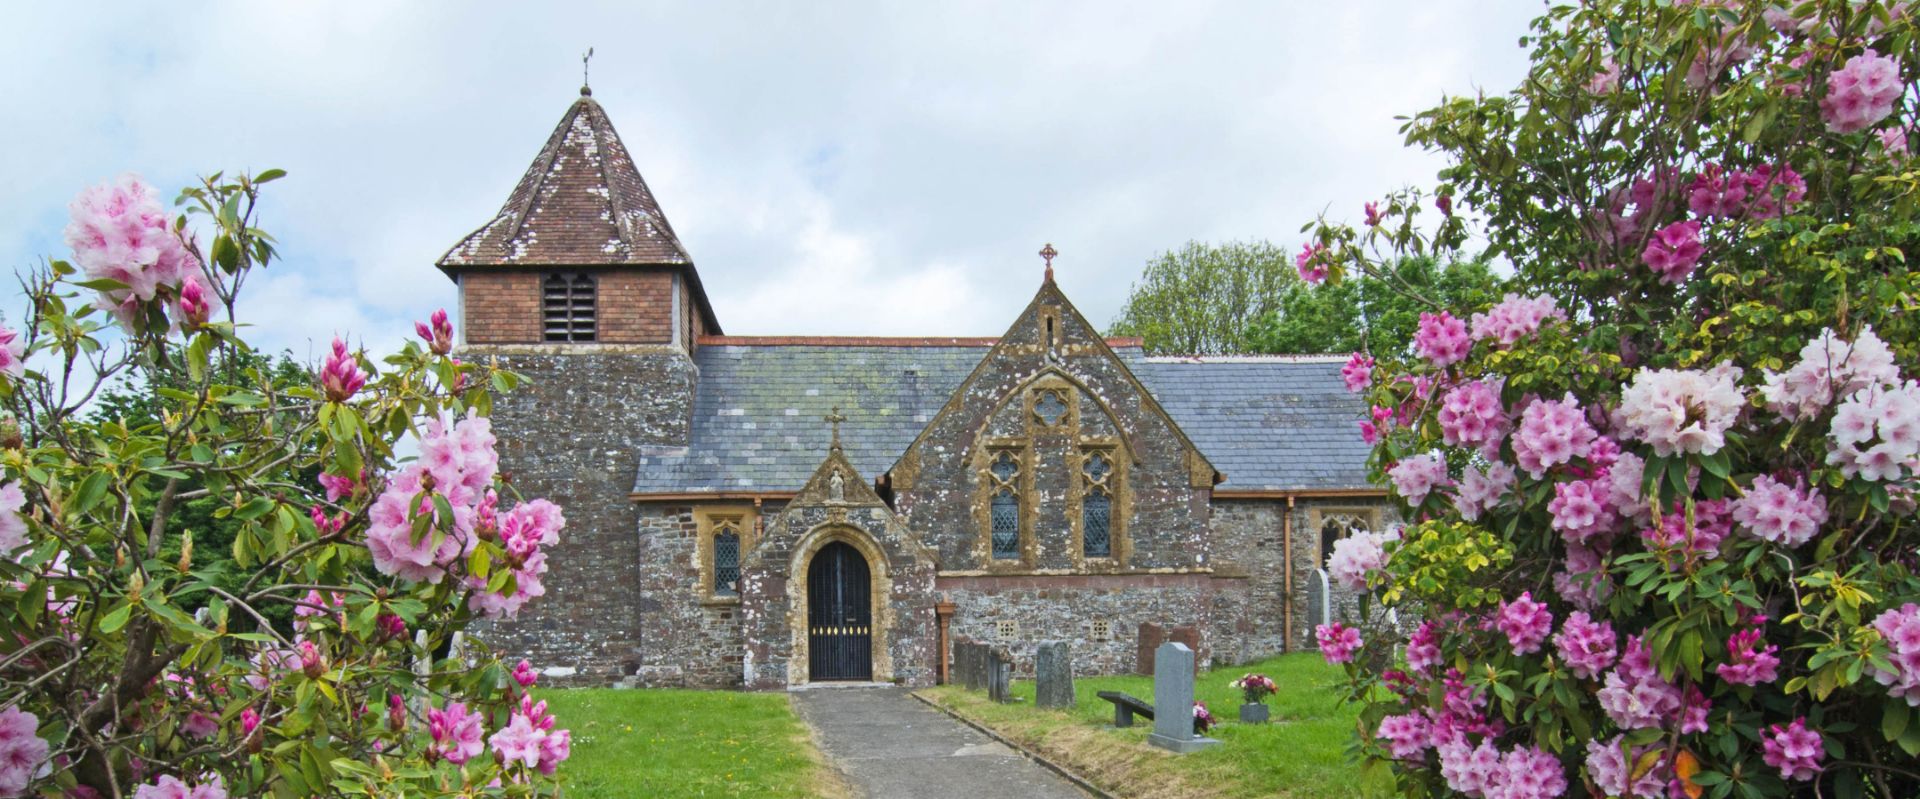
<point>976,675</point>
<point>1319,599</point>
<point>1053,675</point>
<point>1150,638</point>
<point>1188,635</point>
<point>1173,701</point>
<point>999,676</point>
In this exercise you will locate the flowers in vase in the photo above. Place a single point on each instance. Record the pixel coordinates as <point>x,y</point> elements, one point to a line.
<point>1256,687</point>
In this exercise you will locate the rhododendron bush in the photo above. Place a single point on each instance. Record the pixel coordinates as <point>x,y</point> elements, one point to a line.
<point>126,668</point>
<point>1662,535</point>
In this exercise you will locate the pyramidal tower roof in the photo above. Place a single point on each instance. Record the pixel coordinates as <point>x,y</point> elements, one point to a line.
<point>582,202</point>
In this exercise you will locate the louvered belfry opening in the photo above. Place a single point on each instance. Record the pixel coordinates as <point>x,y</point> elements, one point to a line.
<point>567,306</point>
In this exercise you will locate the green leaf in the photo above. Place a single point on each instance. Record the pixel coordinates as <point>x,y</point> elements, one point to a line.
<point>1894,718</point>
<point>254,508</point>
<point>269,175</point>
<point>92,490</point>
<point>115,619</point>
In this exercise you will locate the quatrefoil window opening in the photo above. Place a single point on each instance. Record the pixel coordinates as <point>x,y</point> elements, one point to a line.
<point>1050,406</point>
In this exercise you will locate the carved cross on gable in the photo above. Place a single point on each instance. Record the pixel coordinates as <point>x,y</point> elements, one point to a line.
<point>835,419</point>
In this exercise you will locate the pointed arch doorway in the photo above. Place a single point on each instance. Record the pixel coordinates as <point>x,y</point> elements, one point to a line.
<point>839,615</point>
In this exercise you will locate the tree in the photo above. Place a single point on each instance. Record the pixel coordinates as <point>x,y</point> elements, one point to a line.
<point>1663,496</point>
<point>1370,314</point>
<point>1201,299</point>
<point>130,665</point>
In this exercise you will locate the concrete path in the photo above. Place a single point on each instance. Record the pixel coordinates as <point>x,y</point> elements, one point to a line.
<point>893,747</point>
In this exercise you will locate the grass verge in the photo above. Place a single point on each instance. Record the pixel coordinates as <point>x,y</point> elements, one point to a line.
<point>1302,754</point>
<point>671,744</point>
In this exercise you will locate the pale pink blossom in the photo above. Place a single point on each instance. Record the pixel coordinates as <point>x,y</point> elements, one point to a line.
<point>1359,556</point>
<point>1406,735</point>
<point>456,732</point>
<point>13,354</point>
<point>1861,93</point>
<point>518,743</point>
<point>13,526</point>
<point>1417,476</point>
<point>1423,648</point>
<point>1515,318</point>
<point>119,232</point>
<point>1642,773</point>
<point>1682,410</point>
<point>1829,367</point>
<point>1586,646</point>
<point>22,750</point>
<point>1635,696</point>
<point>170,787</point>
<point>1551,433</point>
<point>1471,770</point>
<point>1876,433</point>
<point>1893,142</point>
<point>1528,772</point>
<point>1471,415</point>
<point>1481,490</point>
<point>1582,509</point>
<point>1607,79</point>
<point>1784,514</point>
<point>1583,582</point>
<point>1900,628</point>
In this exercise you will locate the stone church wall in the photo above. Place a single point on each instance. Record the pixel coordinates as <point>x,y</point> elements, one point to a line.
<point>587,627</point>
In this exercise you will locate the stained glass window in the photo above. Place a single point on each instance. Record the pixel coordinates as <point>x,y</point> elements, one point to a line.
<point>1096,506</point>
<point>1050,407</point>
<point>1005,506</point>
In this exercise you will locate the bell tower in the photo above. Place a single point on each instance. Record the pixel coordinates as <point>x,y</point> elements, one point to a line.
<point>580,285</point>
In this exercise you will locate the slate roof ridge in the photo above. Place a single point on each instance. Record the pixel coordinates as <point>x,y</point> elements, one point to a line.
<point>1246,359</point>
<point>875,341</point>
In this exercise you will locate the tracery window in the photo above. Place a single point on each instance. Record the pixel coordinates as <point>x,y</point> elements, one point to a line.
<point>1335,526</point>
<point>1050,407</point>
<point>1096,506</point>
<point>567,305</point>
<point>726,558</point>
<point>1004,507</point>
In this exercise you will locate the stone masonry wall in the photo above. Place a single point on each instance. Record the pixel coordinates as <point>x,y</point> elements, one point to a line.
<point>1067,607</point>
<point>571,434</point>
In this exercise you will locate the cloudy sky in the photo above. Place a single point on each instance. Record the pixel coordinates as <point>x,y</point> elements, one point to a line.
<point>834,168</point>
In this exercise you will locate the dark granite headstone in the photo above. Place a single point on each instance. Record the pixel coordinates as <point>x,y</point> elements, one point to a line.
<point>1053,675</point>
<point>1151,637</point>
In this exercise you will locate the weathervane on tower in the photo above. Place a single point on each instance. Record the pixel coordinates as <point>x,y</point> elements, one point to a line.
<point>585,89</point>
<point>1047,253</point>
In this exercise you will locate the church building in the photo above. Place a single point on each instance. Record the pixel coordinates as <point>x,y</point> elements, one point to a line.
<point>767,512</point>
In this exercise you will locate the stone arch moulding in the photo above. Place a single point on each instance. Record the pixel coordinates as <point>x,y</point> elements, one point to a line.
<point>880,595</point>
<point>1047,377</point>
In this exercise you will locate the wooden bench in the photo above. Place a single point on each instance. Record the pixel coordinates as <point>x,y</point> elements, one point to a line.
<point>1125,707</point>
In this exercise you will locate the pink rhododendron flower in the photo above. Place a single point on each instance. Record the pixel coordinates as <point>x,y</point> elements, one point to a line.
<point>1442,339</point>
<point>1673,251</point>
<point>1613,770</point>
<point>1482,489</point>
<point>311,661</point>
<point>1444,202</point>
<point>524,675</point>
<point>1406,735</point>
<point>1588,647</point>
<point>1876,433</point>
<point>13,354</point>
<point>1774,193</point>
<point>1750,660</point>
<point>456,732</point>
<point>1423,648</point>
<point>1788,515</point>
<point>1471,770</point>
<point>315,604</point>
<point>1357,556</point>
<point>1711,523</point>
<point>169,787</point>
<point>341,375</point>
<point>1416,476</point>
<point>13,526</point>
<point>458,462</point>
<point>1529,772</point>
<point>1635,696</point>
<point>196,305</point>
<point>1551,433</point>
<point>439,336</point>
<point>1583,582</point>
<point>1312,263</point>
<point>1793,749</point>
<point>1893,142</point>
<point>338,487</point>
<point>21,750</point>
<point>556,748</point>
<point>1682,410</point>
<point>1861,93</point>
<point>119,232</point>
<point>1607,79</point>
<point>1337,641</point>
<point>1358,373</point>
<point>1373,214</point>
<point>1525,623</point>
<point>249,721</point>
<point>1515,318</point>
<point>1623,486</point>
<point>518,742</point>
<point>1583,509</point>
<point>1829,367</point>
<point>1900,628</point>
<point>523,531</point>
<point>1471,416</point>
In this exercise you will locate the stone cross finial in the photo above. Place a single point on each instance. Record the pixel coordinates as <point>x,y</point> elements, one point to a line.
<point>1046,254</point>
<point>585,91</point>
<point>835,419</point>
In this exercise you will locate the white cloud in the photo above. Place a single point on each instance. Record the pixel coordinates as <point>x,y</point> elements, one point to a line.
<point>870,169</point>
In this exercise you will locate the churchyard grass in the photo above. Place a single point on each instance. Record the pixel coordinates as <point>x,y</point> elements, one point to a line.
<point>668,744</point>
<point>1302,754</point>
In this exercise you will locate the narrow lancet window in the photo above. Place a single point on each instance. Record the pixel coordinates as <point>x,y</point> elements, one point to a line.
<point>726,560</point>
<point>1096,507</point>
<point>1005,506</point>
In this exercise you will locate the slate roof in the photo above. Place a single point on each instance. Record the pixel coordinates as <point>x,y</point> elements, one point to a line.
<point>758,414</point>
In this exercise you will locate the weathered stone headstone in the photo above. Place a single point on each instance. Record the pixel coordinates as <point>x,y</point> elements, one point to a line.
<point>1150,638</point>
<point>1053,675</point>
<point>999,676</point>
<point>973,670</point>
<point>1173,701</point>
<point>1319,599</point>
<point>1188,635</point>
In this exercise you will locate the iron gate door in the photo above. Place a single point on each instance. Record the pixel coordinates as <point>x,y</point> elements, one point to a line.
<point>839,615</point>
